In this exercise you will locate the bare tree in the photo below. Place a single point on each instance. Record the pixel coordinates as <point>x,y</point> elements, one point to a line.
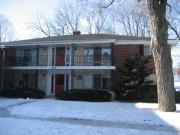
<point>66,20</point>
<point>133,22</point>
<point>96,19</point>
<point>6,30</point>
<point>68,16</point>
<point>111,28</point>
<point>42,25</point>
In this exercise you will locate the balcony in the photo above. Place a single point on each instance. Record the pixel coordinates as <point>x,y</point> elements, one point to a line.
<point>92,60</point>
<point>59,60</point>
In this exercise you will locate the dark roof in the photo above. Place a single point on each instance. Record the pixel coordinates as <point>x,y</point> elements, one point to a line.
<point>82,37</point>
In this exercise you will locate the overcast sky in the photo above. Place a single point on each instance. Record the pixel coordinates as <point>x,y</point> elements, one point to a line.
<point>22,12</point>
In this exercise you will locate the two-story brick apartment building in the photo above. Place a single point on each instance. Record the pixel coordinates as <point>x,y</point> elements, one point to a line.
<point>70,62</point>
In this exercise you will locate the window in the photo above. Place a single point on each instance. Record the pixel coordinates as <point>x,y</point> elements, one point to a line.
<point>88,56</point>
<point>19,57</point>
<point>88,81</point>
<point>97,82</point>
<point>106,82</point>
<point>106,56</point>
<point>102,82</point>
<point>88,52</point>
<point>27,57</point>
<point>29,80</point>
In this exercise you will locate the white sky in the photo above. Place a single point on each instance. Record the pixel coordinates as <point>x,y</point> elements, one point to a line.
<point>22,12</point>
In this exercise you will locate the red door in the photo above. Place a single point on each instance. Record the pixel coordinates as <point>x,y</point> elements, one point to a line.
<point>59,85</point>
<point>60,56</point>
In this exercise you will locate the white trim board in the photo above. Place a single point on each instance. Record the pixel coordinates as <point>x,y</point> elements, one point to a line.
<point>60,67</point>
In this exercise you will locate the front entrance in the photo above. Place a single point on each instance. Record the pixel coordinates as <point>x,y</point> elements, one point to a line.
<point>59,83</point>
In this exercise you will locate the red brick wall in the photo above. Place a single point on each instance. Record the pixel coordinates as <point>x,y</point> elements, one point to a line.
<point>122,52</point>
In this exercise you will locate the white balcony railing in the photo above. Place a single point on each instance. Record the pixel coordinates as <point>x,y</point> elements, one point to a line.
<point>76,60</point>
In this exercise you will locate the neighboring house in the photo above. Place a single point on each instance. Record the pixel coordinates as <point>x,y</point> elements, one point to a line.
<point>68,62</point>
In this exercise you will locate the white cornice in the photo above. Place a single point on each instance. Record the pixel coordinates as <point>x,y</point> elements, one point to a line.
<point>61,67</point>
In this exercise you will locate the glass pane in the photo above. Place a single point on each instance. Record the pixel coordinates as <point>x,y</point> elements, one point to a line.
<point>106,56</point>
<point>106,51</point>
<point>106,82</point>
<point>88,51</point>
<point>88,56</point>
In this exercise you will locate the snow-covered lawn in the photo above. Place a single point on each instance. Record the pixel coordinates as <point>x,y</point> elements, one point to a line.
<point>10,126</point>
<point>39,115</point>
<point>110,111</point>
<point>8,102</point>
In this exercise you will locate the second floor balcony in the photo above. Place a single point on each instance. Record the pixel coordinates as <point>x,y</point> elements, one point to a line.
<point>59,60</point>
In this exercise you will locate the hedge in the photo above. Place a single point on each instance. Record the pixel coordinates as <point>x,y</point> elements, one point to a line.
<point>149,95</point>
<point>86,95</point>
<point>178,97</point>
<point>22,93</point>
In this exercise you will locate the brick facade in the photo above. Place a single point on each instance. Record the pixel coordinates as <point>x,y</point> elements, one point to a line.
<point>120,53</point>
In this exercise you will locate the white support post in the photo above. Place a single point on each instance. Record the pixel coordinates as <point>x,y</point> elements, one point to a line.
<point>50,56</point>
<point>70,56</point>
<point>70,80</point>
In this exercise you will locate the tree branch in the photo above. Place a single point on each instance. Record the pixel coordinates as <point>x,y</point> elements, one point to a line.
<point>112,1</point>
<point>175,31</point>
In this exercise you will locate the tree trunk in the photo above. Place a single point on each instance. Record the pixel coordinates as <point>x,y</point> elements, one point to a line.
<point>162,55</point>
